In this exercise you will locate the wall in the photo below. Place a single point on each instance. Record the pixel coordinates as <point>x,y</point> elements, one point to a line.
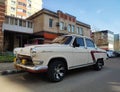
<point>38,24</point>
<point>117,42</point>
<point>46,27</point>
<point>2,18</point>
<point>104,39</point>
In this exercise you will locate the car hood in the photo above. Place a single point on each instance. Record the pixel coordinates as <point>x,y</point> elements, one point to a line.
<point>46,47</point>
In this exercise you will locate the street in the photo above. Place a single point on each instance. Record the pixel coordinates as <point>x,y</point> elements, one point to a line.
<point>80,80</point>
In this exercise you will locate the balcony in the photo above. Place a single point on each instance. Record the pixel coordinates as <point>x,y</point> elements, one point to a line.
<point>17,25</point>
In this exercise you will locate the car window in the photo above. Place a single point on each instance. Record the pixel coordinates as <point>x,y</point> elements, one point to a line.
<point>90,43</point>
<point>79,42</point>
<point>62,40</point>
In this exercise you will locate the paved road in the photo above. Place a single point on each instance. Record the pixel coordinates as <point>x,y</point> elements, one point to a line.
<point>80,80</point>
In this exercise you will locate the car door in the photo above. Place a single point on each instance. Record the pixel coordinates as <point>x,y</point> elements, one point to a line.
<point>80,53</point>
<point>91,48</point>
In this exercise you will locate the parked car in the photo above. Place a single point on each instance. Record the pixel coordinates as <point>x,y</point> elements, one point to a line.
<point>117,53</point>
<point>64,53</point>
<point>110,53</point>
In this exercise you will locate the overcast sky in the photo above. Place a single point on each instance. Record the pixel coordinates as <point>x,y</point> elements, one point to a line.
<point>100,14</point>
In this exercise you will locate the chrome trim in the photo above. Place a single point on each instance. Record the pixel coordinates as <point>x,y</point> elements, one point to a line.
<point>80,66</point>
<point>35,68</point>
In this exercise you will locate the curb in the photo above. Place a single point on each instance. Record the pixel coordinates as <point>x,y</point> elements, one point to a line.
<point>7,72</point>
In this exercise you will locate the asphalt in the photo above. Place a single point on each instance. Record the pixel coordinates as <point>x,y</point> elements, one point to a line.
<point>78,80</point>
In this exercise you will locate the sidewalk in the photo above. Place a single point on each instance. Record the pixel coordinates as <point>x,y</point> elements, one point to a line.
<point>6,66</point>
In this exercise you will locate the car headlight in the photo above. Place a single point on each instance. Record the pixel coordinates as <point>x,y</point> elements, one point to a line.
<point>33,52</point>
<point>38,62</point>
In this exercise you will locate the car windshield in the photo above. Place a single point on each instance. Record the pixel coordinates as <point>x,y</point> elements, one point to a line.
<point>62,40</point>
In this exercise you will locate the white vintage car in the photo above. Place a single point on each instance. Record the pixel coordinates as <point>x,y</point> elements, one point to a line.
<point>64,53</point>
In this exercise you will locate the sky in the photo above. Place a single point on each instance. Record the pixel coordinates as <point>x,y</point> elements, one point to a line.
<point>100,14</point>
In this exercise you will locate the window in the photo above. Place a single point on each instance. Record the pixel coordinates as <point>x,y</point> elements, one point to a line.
<point>13,2</point>
<point>21,3</point>
<point>12,15</point>
<point>24,11</point>
<point>50,22</point>
<point>12,9</point>
<point>62,40</point>
<point>16,21</point>
<point>20,22</point>
<point>29,1</point>
<point>24,23</point>
<point>11,21</point>
<point>69,28</point>
<point>24,4</point>
<point>6,19</point>
<point>79,42</point>
<point>90,43</point>
<point>61,26</point>
<point>81,31</point>
<point>77,30</point>
<point>29,6</point>
<point>73,28</point>
<point>29,24</point>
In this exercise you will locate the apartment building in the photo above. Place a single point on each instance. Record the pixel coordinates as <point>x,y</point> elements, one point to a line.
<point>117,42</point>
<point>42,27</point>
<point>22,8</point>
<point>2,18</point>
<point>104,39</point>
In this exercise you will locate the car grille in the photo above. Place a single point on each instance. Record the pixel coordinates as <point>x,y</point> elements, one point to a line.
<point>25,60</point>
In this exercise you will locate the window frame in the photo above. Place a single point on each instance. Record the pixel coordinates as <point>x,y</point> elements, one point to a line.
<point>79,44</point>
<point>61,25</point>
<point>73,28</point>
<point>69,27</point>
<point>50,22</point>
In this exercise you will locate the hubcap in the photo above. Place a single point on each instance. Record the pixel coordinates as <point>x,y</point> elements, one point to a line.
<point>100,65</point>
<point>59,71</point>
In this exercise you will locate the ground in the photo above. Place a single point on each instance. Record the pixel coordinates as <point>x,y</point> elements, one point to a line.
<point>79,80</point>
<point>6,66</point>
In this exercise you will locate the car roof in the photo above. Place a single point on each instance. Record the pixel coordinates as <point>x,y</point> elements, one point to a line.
<point>75,35</point>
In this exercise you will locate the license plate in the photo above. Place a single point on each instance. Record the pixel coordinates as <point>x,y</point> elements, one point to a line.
<point>24,61</point>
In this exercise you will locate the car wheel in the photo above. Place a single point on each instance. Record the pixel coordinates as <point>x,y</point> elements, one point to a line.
<point>56,71</point>
<point>99,65</point>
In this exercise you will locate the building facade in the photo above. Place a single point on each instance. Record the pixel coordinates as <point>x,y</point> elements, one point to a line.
<point>49,24</point>
<point>22,8</point>
<point>44,26</point>
<point>2,18</point>
<point>104,39</point>
<point>117,42</point>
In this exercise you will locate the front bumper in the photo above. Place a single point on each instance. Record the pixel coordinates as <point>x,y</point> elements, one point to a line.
<point>33,69</point>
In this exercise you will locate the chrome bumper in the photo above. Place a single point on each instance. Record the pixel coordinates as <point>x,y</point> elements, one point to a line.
<point>31,68</point>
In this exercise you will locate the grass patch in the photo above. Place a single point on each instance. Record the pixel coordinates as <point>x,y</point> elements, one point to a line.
<point>6,57</point>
